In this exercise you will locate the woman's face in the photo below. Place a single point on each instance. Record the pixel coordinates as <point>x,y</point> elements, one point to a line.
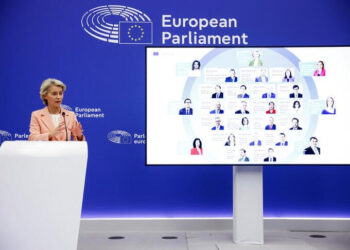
<point>54,96</point>
<point>196,65</point>
<point>256,54</point>
<point>320,65</point>
<point>288,73</point>
<point>271,106</point>
<point>330,102</point>
<point>297,105</point>
<point>198,143</point>
<point>245,121</point>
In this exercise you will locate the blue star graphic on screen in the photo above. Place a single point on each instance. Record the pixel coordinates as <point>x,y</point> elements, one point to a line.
<point>135,32</point>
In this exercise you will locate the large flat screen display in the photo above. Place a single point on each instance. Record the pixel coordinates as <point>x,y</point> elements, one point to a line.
<point>248,106</point>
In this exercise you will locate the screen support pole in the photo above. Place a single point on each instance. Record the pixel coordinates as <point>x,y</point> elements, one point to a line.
<point>248,219</point>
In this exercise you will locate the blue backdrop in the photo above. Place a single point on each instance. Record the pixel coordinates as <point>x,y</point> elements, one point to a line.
<point>41,39</point>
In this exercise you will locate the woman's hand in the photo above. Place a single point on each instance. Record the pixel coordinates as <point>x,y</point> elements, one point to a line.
<point>77,129</point>
<point>59,129</point>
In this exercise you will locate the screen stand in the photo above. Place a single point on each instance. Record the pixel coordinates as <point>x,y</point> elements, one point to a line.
<point>248,220</point>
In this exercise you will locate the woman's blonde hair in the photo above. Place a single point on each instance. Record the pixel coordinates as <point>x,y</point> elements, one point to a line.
<point>44,89</point>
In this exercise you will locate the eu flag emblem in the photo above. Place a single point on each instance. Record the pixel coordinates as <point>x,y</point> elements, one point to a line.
<point>135,32</point>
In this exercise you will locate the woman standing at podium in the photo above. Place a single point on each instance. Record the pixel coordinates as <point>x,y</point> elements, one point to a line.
<point>53,123</point>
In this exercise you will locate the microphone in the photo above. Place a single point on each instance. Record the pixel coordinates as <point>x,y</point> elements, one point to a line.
<point>65,125</point>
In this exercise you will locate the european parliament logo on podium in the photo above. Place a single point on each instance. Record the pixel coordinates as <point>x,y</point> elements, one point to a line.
<point>120,137</point>
<point>135,32</point>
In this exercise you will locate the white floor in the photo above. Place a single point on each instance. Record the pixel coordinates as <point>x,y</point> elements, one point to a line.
<point>220,240</point>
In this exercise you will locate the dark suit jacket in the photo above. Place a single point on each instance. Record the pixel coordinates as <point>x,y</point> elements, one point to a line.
<point>240,112</point>
<point>245,159</point>
<point>309,151</point>
<point>253,143</point>
<point>221,128</point>
<point>293,95</point>
<point>273,95</point>
<point>280,143</point>
<point>221,95</point>
<point>230,79</point>
<point>259,79</point>
<point>214,111</point>
<point>267,159</point>
<point>268,127</point>
<point>183,111</point>
<point>298,128</point>
<point>243,96</point>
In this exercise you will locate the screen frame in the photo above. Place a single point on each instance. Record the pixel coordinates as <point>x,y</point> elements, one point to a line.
<point>235,164</point>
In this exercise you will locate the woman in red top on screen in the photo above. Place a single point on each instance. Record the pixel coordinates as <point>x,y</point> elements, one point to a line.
<point>320,71</point>
<point>53,123</point>
<point>272,109</point>
<point>197,147</point>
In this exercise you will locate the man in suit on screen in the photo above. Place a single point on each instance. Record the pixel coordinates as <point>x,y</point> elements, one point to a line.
<point>232,77</point>
<point>243,93</point>
<point>218,124</point>
<point>187,110</point>
<point>268,95</point>
<point>243,155</point>
<point>243,109</point>
<point>271,125</point>
<point>295,124</point>
<point>263,77</point>
<point>283,141</point>
<point>270,157</point>
<point>313,149</point>
<point>218,93</point>
<point>296,93</point>
<point>217,109</point>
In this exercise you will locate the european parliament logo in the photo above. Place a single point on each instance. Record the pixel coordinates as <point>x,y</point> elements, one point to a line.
<point>119,137</point>
<point>66,107</point>
<point>118,24</point>
<point>5,136</point>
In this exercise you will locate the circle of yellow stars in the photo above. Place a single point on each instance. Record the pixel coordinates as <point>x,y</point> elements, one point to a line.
<point>136,27</point>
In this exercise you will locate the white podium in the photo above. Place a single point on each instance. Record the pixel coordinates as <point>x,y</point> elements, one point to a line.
<point>248,217</point>
<point>41,193</point>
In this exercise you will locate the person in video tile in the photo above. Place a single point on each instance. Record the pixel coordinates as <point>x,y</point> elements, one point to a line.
<point>288,77</point>
<point>296,106</point>
<point>218,93</point>
<point>232,77</point>
<point>243,155</point>
<point>217,109</point>
<point>295,124</point>
<point>271,109</point>
<point>320,71</point>
<point>313,149</point>
<point>243,109</point>
<point>197,147</point>
<point>218,124</point>
<point>271,125</point>
<point>231,140</point>
<point>263,77</point>
<point>283,141</point>
<point>196,65</point>
<point>245,124</point>
<point>270,157</point>
<point>187,110</point>
<point>296,93</point>
<point>243,93</point>
<point>330,109</point>
<point>256,59</point>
